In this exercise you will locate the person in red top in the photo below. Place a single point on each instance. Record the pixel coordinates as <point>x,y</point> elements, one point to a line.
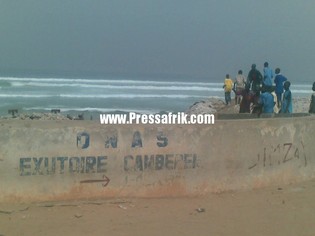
<point>250,101</point>
<point>247,99</point>
<point>239,84</point>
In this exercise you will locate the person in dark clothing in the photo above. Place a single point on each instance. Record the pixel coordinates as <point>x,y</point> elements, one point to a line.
<point>279,80</point>
<point>247,100</point>
<point>312,104</point>
<point>255,79</point>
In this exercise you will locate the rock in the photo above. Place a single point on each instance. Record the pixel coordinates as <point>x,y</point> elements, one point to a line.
<point>200,210</point>
<point>37,116</point>
<point>208,106</point>
<point>78,215</point>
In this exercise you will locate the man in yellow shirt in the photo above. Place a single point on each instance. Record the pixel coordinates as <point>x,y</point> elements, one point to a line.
<point>228,86</point>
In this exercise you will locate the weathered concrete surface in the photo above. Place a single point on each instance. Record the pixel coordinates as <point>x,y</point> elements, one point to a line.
<point>59,160</point>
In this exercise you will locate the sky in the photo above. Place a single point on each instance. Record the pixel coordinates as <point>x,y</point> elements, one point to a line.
<point>191,40</point>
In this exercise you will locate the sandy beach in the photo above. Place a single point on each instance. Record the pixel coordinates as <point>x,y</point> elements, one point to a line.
<point>278,211</point>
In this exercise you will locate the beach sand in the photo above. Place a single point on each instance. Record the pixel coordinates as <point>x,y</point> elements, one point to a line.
<point>278,211</point>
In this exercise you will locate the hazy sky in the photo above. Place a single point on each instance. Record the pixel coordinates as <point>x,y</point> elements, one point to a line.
<point>198,39</point>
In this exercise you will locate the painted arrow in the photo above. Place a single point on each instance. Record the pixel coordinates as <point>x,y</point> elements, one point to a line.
<point>105,180</point>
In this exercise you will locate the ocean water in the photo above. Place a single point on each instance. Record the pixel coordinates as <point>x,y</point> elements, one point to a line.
<point>77,96</point>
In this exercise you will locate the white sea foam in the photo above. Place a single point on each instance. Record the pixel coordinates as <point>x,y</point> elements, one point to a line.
<point>25,96</point>
<point>120,87</point>
<point>107,81</point>
<point>93,96</point>
<point>175,96</point>
<point>129,84</point>
<point>92,109</point>
<point>301,91</point>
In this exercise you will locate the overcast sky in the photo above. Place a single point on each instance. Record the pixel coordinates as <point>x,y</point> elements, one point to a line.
<point>197,39</point>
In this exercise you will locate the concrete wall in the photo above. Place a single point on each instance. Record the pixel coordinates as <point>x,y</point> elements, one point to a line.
<point>58,160</point>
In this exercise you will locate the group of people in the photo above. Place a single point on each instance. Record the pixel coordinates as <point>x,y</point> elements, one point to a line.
<point>260,93</point>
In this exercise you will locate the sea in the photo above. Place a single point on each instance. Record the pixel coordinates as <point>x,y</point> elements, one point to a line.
<point>76,96</point>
